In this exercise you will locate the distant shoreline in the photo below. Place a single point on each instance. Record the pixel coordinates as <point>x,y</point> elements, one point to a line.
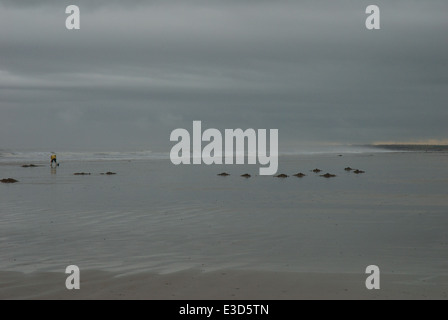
<point>412,147</point>
<point>41,157</point>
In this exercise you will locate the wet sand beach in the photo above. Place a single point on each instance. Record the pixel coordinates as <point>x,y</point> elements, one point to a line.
<point>191,234</point>
<point>220,285</point>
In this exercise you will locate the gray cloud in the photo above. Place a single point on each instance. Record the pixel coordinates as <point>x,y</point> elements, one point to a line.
<point>135,72</point>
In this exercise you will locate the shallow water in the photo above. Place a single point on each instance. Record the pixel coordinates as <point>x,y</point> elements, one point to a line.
<point>154,216</point>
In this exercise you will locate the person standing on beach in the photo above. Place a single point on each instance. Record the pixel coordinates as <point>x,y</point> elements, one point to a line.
<point>53,159</point>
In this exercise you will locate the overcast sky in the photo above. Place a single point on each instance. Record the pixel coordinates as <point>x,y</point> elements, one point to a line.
<point>139,69</point>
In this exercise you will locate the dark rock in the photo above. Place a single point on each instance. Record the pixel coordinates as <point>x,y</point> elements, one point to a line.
<point>82,174</point>
<point>108,173</point>
<point>328,175</point>
<point>349,169</point>
<point>246,175</point>
<point>9,180</point>
<point>281,176</point>
<point>29,166</point>
<point>358,171</point>
<point>223,174</point>
<point>299,175</point>
<point>317,170</point>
